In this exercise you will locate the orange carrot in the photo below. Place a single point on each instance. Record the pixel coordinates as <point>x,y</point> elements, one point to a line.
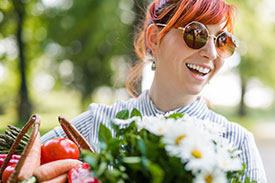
<point>32,160</point>
<point>55,168</point>
<point>59,179</point>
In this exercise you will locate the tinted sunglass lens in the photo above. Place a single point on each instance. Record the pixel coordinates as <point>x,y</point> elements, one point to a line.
<point>195,35</point>
<point>225,45</point>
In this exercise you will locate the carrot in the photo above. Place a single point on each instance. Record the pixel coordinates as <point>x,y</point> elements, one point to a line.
<point>59,179</point>
<point>32,160</point>
<point>53,169</point>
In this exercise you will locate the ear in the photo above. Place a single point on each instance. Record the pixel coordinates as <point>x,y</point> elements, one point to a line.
<point>152,37</point>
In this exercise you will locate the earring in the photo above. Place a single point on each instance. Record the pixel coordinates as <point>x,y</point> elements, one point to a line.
<point>153,67</point>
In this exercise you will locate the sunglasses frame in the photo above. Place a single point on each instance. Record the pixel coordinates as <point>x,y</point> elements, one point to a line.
<point>209,35</point>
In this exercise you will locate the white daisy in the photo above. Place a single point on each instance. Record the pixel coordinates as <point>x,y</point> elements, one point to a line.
<point>175,135</point>
<point>216,130</point>
<point>156,125</point>
<point>199,154</point>
<point>227,157</point>
<point>215,176</point>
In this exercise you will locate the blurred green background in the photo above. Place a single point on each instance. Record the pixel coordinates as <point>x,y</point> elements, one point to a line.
<point>57,56</point>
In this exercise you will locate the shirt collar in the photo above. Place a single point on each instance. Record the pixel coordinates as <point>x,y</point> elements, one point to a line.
<point>198,108</point>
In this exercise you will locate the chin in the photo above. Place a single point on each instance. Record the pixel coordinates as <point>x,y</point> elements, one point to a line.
<point>194,91</point>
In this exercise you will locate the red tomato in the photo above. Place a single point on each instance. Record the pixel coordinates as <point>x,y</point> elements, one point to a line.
<point>7,172</point>
<point>58,148</point>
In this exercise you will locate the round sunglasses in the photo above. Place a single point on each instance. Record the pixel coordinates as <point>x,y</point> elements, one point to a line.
<point>196,35</point>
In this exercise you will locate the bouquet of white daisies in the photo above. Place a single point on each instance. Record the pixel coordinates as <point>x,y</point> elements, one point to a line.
<point>174,148</point>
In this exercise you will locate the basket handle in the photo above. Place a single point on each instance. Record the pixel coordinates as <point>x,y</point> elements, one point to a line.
<point>35,122</point>
<point>74,135</point>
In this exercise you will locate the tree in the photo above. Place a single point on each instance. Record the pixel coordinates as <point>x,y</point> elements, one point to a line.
<point>258,37</point>
<point>13,25</point>
<point>89,33</point>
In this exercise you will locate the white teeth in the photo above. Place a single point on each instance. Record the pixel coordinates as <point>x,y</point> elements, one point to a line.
<point>199,68</point>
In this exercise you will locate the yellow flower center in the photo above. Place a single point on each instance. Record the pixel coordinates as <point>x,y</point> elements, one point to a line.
<point>224,164</point>
<point>160,130</point>
<point>208,179</point>
<point>179,139</point>
<point>197,154</point>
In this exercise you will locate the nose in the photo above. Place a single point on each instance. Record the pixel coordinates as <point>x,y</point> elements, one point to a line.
<point>209,50</point>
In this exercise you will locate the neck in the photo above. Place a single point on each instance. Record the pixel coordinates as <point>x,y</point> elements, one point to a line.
<point>166,98</point>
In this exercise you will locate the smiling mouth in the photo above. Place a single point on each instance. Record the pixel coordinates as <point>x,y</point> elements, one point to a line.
<point>198,69</point>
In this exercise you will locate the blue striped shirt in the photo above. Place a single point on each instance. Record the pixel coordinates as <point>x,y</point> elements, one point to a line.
<point>88,125</point>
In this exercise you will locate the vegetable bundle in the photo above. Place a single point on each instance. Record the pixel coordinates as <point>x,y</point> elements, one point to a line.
<point>7,139</point>
<point>156,149</point>
<point>28,168</point>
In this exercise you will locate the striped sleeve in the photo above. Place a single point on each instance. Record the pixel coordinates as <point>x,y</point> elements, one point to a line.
<point>251,157</point>
<point>244,140</point>
<point>82,123</point>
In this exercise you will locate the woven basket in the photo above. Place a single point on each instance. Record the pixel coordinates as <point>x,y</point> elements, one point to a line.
<point>73,134</point>
<point>34,122</point>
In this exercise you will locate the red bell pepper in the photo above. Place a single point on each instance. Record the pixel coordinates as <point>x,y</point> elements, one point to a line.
<point>79,172</point>
<point>14,156</point>
<point>87,179</point>
<point>14,159</point>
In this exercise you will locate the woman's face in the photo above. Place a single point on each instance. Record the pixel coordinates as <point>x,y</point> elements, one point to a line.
<point>179,66</point>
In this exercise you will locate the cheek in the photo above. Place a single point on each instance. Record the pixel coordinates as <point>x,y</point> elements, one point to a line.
<point>175,49</point>
<point>218,64</point>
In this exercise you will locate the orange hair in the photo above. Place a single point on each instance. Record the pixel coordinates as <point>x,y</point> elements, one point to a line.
<point>176,13</point>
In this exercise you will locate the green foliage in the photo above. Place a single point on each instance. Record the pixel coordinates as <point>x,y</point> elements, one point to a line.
<point>89,33</point>
<point>86,34</point>
<point>124,114</point>
<point>137,156</point>
<point>257,35</point>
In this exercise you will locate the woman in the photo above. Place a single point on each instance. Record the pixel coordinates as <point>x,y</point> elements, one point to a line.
<point>187,41</point>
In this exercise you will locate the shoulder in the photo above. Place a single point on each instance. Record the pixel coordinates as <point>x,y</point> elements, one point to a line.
<point>111,110</point>
<point>234,132</point>
<point>245,142</point>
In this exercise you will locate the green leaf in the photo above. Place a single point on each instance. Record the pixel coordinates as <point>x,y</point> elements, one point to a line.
<point>124,114</point>
<point>131,160</point>
<point>142,146</point>
<point>102,168</point>
<point>136,112</point>
<point>104,135</point>
<point>176,115</point>
<point>155,170</point>
<point>89,157</point>
<point>90,160</point>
